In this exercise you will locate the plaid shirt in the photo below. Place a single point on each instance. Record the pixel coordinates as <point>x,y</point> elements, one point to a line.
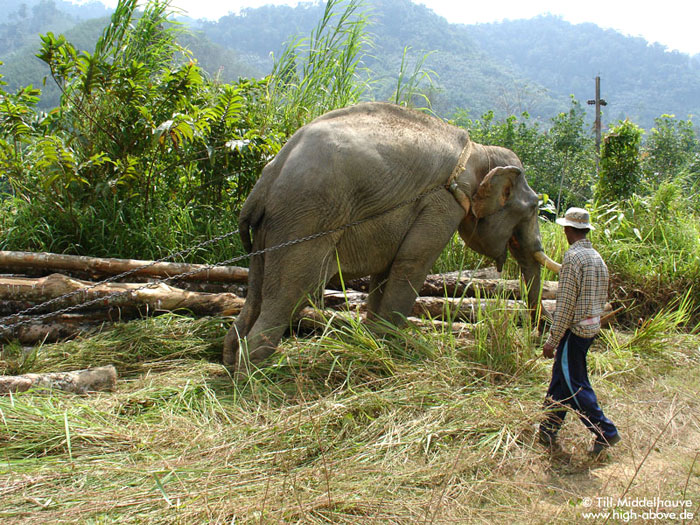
<point>582,292</point>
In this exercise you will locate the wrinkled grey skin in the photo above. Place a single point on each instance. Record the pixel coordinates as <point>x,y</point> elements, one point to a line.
<point>355,163</point>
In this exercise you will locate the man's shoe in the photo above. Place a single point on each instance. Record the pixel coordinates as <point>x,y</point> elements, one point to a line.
<point>602,443</point>
<point>550,442</point>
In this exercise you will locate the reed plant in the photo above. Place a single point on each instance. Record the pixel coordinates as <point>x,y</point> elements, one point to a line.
<point>321,72</point>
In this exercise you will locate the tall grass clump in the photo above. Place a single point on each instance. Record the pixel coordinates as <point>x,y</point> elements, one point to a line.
<point>504,339</point>
<point>651,335</point>
<point>318,73</point>
<point>652,243</point>
<point>411,86</point>
<point>40,426</point>
<point>161,342</point>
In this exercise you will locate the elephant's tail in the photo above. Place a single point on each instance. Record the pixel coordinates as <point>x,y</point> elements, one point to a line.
<point>244,229</point>
<point>253,210</point>
<point>250,216</point>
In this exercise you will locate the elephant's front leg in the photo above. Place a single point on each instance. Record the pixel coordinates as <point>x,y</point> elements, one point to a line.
<point>422,245</point>
<point>377,283</point>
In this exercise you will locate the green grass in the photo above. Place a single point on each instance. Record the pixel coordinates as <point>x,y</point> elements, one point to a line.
<point>652,245</point>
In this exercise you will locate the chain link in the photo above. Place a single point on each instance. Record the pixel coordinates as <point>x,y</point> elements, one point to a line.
<point>4,326</point>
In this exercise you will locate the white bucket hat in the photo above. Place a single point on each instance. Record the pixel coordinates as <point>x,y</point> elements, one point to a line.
<point>576,218</point>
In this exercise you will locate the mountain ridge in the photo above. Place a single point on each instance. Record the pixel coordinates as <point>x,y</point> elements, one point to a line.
<point>531,65</point>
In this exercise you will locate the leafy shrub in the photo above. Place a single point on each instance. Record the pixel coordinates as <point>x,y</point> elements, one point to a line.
<point>671,148</point>
<point>620,167</point>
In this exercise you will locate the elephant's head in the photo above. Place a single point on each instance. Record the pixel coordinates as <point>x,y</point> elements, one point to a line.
<point>504,217</point>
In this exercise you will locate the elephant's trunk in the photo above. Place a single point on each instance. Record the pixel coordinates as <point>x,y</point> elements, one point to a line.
<point>548,263</point>
<point>532,275</point>
<point>545,261</point>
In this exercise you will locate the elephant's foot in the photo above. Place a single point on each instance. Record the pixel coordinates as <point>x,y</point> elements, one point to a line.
<point>382,329</point>
<point>230,351</point>
<point>242,356</point>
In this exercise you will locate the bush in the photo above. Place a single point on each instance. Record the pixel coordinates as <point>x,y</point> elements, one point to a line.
<point>672,147</point>
<point>652,244</point>
<point>620,167</point>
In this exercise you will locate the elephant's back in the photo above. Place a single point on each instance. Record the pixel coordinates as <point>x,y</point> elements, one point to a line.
<point>363,159</point>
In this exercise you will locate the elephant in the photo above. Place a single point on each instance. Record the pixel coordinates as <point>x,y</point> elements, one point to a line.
<point>404,181</point>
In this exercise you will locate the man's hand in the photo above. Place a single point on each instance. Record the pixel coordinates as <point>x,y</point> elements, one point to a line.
<point>548,350</point>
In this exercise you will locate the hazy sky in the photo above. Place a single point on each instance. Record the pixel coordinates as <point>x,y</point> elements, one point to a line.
<point>672,23</point>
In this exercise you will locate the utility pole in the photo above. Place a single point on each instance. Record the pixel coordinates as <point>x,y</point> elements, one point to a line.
<point>598,102</point>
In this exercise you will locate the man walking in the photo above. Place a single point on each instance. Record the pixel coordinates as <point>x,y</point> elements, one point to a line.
<point>582,294</point>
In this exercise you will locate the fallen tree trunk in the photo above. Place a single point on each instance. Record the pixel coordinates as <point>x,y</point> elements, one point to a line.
<point>310,319</point>
<point>113,302</point>
<point>79,382</point>
<point>18,293</point>
<point>456,284</point>
<point>468,309</point>
<point>466,282</point>
<point>438,308</point>
<point>19,262</point>
<point>67,326</point>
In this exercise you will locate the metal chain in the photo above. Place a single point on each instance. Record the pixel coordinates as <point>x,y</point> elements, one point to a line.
<point>107,298</point>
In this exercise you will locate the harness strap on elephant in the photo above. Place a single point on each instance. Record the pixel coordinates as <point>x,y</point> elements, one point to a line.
<point>452,186</point>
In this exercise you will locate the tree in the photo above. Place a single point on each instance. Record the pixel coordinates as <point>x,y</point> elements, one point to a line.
<point>145,154</point>
<point>571,149</point>
<point>620,165</point>
<point>671,148</point>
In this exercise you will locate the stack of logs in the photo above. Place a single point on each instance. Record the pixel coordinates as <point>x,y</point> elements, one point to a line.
<point>30,279</point>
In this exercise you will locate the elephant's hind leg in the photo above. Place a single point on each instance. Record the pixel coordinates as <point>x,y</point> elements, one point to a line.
<point>291,275</point>
<point>249,313</point>
<point>376,292</point>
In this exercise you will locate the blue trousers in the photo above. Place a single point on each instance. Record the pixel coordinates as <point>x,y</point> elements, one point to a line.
<point>570,387</point>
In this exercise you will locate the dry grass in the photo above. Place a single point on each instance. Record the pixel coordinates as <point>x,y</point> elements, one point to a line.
<point>342,428</point>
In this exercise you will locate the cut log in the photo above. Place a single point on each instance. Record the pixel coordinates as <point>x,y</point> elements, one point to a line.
<point>59,328</point>
<point>79,382</point>
<point>456,284</point>
<point>156,297</point>
<point>19,262</point>
<point>464,283</point>
<point>312,319</point>
<point>484,283</point>
<point>466,309</point>
<point>122,301</point>
<point>438,308</point>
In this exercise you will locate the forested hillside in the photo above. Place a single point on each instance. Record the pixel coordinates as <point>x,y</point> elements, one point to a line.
<point>515,66</point>
<point>462,74</point>
<point>21,24</point>
<point>92,9</point>
<point>641,81</point>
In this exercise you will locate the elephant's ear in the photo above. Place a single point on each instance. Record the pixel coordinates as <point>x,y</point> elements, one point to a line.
<point>495,190</point>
